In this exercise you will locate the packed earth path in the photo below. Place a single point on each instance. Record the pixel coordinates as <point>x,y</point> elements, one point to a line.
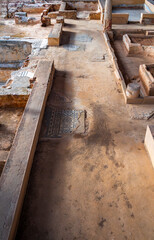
<point>96,182</point>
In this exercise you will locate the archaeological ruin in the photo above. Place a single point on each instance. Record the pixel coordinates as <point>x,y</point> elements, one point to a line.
<point>76,120</point>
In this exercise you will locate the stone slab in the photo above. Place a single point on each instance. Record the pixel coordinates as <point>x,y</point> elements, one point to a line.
<point>149,142</point>
<point>60,19</point>
<point>55,35</point>
<point>14,179</point>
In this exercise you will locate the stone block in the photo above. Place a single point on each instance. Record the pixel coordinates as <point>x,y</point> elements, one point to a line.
<point>55,35</point>
<point>149,142</point>
<point>23,14</point>
<point>60,19</point>
<point>95,15</point>
<point>132,48</point>
<point>62,6</point>
<point>118,18</point>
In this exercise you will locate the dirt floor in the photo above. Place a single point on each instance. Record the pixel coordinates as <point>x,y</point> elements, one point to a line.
<point>9,28</point>
<point>98,185</point>
<point>9,122</point>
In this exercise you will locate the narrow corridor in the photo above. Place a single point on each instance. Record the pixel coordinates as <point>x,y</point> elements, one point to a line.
<point>96,184</point>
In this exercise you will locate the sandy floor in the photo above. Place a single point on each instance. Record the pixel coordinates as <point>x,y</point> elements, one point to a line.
<point>9,121</point>
<point>96,186</point>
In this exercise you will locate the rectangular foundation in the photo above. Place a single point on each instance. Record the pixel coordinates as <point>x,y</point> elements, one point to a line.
<point>126,69</point>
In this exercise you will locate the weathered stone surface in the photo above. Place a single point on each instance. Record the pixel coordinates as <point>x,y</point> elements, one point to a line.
<point>127,2</point>
<point>139,44</point>
<point>68,14</point>
<point>55,35</point>
<point>132,48</point>
<point>25,20</point>
<point>149,142</point>
<point>34,8</point>
<point>107,16</point>
<point>133,90</point>
<point>118,18</point>
<point>95,15</point>
<point>60,19</point>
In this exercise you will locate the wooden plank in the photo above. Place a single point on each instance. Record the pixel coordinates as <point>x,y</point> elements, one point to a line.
<point>14,179</point>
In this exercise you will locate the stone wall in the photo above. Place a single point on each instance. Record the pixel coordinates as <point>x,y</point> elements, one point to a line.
<point>118,2</point>
<point>83,6</point>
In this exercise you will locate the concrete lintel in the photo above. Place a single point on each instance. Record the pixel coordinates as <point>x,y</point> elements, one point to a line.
<point>14,179</point>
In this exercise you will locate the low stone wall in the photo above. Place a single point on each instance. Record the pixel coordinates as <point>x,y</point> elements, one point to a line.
<point>127,2</point>
<point>55,35</point>
<point>147,18</point>
<point>69,14</point>
<point>69,9</point>
<point>136,48</point>
<point>25,20</point>
<point>95,15</point>
<point>34,8</point>
<point>118,18</point>
<point>63,11</point>
<point>132,48</point>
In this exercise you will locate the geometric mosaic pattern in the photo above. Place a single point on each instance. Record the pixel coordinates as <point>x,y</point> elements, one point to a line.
<point>59,122</point>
